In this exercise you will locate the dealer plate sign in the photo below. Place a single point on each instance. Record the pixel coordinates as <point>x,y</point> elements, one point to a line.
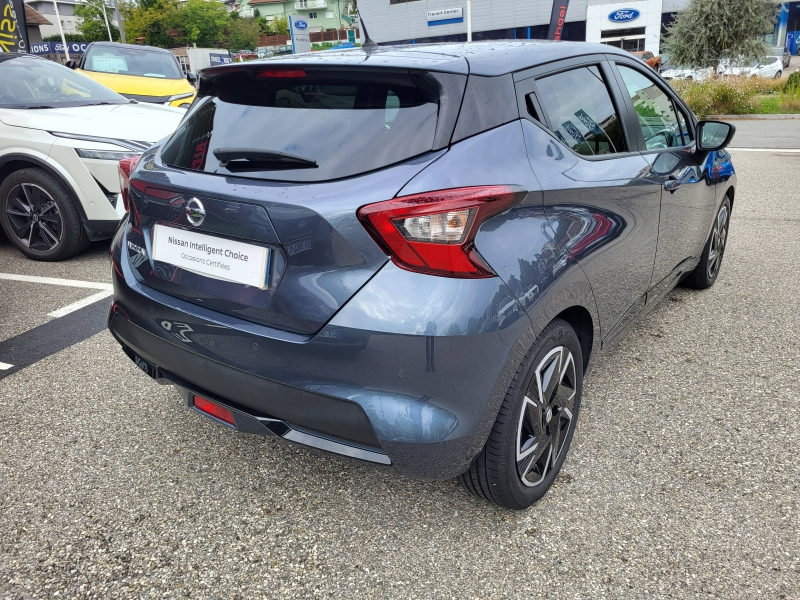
<point>211,256</point>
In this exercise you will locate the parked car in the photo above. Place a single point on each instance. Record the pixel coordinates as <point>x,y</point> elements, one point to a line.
<point>683,73</point>
<point>651,59</point>
<point>62,136</point>
<point>141,73</point>
<point>771,68</point>
<point>782,53</point>
<point>498,214</point>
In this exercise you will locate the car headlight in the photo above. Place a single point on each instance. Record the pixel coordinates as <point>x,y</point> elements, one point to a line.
<point>105,154</point>
<point>179,97</point>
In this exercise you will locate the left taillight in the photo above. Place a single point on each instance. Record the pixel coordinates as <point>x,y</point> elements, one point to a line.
<point>126,167</point>
<point>434,232</point>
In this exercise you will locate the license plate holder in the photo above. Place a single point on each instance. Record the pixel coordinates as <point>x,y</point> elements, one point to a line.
<point>145,365</point>
<point>212,256</point>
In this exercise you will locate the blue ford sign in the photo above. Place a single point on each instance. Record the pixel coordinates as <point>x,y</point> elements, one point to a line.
<point>624,15</point>
<point>301,25</point>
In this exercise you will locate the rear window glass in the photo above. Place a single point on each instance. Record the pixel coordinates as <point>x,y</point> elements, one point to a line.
<point>308,127</point>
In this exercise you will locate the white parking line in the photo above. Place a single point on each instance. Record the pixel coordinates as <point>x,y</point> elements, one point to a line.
<point>764,149</point>
<point>79,304</point>
<point>5,366</point>
<point>53,281</point>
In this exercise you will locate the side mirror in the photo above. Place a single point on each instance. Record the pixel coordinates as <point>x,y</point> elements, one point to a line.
<point>714,135</point>
<point>71,64</point>
<point>191,78</point>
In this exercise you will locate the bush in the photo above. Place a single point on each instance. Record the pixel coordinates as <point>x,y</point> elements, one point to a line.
<point>724,96</point>
<point>793,84</point>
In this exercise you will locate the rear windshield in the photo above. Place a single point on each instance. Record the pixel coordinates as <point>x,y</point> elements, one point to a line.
<point>294,125</point>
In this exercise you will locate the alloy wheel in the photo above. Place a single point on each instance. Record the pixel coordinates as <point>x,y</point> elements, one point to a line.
<point>719,237</point>
<point>547,412</point>
<point>34,217</point>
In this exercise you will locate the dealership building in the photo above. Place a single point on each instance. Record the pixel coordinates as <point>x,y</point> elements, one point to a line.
<point>635,25</point>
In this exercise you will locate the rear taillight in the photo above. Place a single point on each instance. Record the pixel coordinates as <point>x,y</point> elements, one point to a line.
<point>126,167</point>
<point>213,409</point>
<point>434,232</point>
<point>280,73</point>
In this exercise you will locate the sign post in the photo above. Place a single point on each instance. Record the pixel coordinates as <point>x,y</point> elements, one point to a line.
<point>13,28</point>
<point>301,41</point>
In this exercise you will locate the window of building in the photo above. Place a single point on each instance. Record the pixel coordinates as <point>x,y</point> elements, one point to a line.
<point>312,15</point>
<point>581,112</point>
<point>401,1</point>
<point>329,14</point>
<point>654,109</point>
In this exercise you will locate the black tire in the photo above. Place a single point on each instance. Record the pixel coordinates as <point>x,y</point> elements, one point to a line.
<point>707,270</point>
<point>39,216</point>
<point>497,473</point>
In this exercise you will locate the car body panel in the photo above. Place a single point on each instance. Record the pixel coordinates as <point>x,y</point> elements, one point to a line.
<point>429,359</point>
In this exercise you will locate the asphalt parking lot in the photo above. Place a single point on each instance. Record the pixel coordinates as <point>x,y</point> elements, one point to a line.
<point>682,481</point>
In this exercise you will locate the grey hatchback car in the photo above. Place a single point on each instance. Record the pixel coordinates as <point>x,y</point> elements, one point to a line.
<point>409,255</point>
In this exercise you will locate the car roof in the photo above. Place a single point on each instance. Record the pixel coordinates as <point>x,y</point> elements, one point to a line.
<point>129,47</point>
<point>479,58</point>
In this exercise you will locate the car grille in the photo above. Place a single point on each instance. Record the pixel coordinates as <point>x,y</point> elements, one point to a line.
<point>151,99</point>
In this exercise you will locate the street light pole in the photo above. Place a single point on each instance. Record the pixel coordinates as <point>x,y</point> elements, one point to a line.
<point>105,16</point>
<point>61,30</point>
<point>118,17</point>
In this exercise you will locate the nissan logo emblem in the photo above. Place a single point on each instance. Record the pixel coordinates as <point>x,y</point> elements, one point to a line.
<point>195,213</point>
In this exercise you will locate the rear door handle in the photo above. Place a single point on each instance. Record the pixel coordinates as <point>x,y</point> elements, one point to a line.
<point>672,185</point>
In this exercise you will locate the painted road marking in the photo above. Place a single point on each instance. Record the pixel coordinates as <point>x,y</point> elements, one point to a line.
<point>54,281</point>
<point>5,366</point>
<point>54,336</point>
<point>79,304</point>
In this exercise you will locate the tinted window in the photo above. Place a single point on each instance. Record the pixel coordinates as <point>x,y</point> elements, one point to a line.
<point>132,61</point>
<point>345,124</point>
<point>34,82</point>
<point>654,109</point>
<point>581,112</point>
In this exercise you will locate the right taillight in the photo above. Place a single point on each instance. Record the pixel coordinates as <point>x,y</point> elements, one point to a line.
<point>126,167</point>
<point>434,232</point>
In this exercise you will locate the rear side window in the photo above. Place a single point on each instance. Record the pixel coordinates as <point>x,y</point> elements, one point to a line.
<point>306,126</point>
<point>655,110</point>
<point>581,112</point>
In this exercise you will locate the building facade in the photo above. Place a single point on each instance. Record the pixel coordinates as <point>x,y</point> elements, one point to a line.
<point>66,14</point>
<point>633,25</point>
<point>321,15</point>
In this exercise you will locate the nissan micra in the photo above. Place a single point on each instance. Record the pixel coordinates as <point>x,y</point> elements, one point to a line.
<point>410,255</point>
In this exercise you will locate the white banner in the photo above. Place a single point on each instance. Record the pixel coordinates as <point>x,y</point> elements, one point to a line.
<point>211,256</point>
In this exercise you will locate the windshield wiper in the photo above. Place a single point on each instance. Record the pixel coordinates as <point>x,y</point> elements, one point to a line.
<point>36,106</point>
<point>250,159</point>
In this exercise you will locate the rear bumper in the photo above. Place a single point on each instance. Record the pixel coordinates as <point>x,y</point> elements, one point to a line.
<point>423,403</point>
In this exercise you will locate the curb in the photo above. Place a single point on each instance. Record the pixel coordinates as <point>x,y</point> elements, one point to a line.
<point>752,117</point>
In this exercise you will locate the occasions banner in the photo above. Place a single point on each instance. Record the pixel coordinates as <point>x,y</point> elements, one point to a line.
<point>13,31</point>
<point>557,18</point>
<point>58,48</point>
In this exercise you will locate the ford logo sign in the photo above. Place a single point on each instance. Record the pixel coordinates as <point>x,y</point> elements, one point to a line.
<point>624,15</point>
<point>303,25</point>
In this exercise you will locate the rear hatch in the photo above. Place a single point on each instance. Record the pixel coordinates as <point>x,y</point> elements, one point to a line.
<point>250,207</point>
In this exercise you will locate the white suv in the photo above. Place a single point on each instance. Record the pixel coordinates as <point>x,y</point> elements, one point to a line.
<point>62,136</point>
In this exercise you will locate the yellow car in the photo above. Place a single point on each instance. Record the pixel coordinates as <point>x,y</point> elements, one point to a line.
<point>141,73</point>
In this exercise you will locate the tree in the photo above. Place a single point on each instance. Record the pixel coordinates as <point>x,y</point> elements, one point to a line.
<point>280,25</point>
<point>243,34</point>
<point>151,21</point>
<point>92,24</point>
<point>707,31</point>
<point>203,23</point>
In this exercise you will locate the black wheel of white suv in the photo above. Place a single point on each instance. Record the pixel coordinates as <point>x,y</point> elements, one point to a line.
<point>39,217</point>
<point>532,434</point>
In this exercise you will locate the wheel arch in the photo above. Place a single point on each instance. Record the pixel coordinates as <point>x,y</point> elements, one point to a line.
<point>11,163</point>
<point>580,319</point>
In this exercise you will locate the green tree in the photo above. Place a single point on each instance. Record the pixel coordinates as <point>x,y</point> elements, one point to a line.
<point>70,37</point>
<point>203,23</point>
<point>707,31</point>
<point>280,25</point>
<point>243,34</point>
<point>93,23</point>
<point>152,21</point>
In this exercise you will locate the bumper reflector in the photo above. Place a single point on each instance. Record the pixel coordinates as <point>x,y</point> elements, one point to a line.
<point>213,409</point>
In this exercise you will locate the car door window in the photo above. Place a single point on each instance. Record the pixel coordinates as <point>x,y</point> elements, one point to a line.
<point>581,112</point>
<point>685,128</point>
<point>655,110</point>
